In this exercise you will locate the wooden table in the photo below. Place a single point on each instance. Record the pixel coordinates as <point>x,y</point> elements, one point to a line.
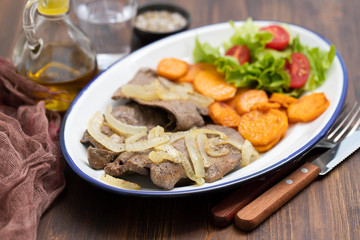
<point>327,209</point>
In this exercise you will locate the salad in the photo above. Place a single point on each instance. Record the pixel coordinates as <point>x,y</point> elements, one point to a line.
<point>267,58</point>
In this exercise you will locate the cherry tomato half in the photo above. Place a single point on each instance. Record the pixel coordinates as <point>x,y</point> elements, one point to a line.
<point>298,69</point>
<point>281,37</point>
<point>241,52</point>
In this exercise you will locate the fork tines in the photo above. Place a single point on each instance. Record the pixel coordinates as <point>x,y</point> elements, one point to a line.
<point>347,122</point>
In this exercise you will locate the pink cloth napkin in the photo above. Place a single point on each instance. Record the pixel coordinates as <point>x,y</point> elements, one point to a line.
<point>31,164</point>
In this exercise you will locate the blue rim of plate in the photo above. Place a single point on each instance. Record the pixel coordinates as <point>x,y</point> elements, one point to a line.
<point>233,183</point>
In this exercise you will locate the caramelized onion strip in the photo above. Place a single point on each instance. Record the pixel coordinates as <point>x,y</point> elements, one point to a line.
<point>209,131</point>
<point>143,145</point>
<point>118,182</point>
<point>202,141</point>
<point>248,154</point>
<point>120,127</point>
<point>113,143</point>
<point>189,171</point>
<point>213,149</point>
<point>196,159</point>
<point>144,92</point>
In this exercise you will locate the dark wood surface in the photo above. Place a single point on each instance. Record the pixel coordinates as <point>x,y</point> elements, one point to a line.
<point>327,209</point>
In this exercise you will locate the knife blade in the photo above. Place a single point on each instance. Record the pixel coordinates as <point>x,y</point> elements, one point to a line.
<point>266,204</point>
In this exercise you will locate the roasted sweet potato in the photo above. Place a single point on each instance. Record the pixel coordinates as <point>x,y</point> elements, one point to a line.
<point>212,84</point>
<point>223,114</point>
<point>249,98</point>
<point>308,108</point>
<point>189,77</point>
<point>194,69</point>
<point>172,68</point>
<point>265,106</point>
<point>266,148</point>
<point>262,128</point>
<point>282,99</point>
<point>232,102</point>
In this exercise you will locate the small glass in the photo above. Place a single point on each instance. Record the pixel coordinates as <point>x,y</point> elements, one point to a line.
<point>108,24</point>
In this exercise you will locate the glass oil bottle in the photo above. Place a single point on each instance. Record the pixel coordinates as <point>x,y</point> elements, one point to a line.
<point>53,52</point>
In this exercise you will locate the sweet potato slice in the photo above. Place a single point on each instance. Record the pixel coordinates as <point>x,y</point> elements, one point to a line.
<point>282,99</point>
<point>189,77</point>
<point>248,99</point>
<point>172,68</point>
<point>266,148</point>
<point>308,108</point>
<point>212,84</point>
<point>232,102</point>
<point>263,127</point>
<point>224,115</point>
<point>265,106</point>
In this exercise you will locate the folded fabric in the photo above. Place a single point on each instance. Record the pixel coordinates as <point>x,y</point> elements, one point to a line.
<point>31,164</point>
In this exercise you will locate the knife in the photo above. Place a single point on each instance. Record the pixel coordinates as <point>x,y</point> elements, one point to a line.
<point>266,204</point>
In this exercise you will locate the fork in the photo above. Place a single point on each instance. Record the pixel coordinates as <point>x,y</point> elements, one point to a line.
<point>347,123</point>
<point>223,213</point>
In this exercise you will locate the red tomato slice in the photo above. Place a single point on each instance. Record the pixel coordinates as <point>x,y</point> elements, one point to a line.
<point>298,69</point>
<point>281,37</point>
<point>241,52</point>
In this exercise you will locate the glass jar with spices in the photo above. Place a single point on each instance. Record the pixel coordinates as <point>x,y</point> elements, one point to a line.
<point>53,52</point>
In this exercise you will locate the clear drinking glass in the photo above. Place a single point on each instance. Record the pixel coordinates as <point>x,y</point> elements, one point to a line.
<point>108,24</point>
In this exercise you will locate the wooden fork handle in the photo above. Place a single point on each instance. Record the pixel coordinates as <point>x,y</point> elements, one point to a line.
<point>262,207</point>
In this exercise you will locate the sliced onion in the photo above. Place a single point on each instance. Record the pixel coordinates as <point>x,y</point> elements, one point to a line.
<point>184,87</point>
<point>145,92</point>
<point>209,131</point>
<point>248,154</point>
<point>157,131</point>
<point>177,136</point>
<point>134,138</point>
<point>171,151</point>
<point>201,100</point>
<point>163,89</point>
<point>113,143</point>
<point>196,159</point>
<point>146,144</point>
<point>168,84</point>
<point>235,143</point>
<point>189,171</point>
<point>202,141</point>
<point>159,156</point>
<point>213,150</point>
<point>175,92</point>
<point>188,87</point>
<point>118,182</point>
<point>184,91</point>
<point>120,127</point>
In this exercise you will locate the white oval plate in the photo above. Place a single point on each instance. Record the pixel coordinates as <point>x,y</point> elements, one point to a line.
<point>97,95</point>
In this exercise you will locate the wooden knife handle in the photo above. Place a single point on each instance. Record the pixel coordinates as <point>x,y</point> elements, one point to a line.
<point>266,204</point>
<point>223,213</point>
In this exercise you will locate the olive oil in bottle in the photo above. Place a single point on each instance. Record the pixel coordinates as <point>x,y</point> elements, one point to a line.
<point>54,52</point>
